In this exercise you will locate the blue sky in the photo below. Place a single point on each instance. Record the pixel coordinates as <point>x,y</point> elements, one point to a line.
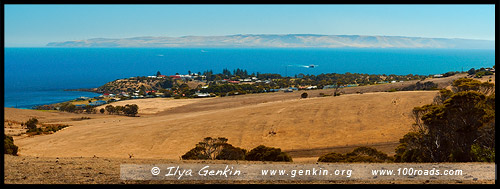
<point>37,25</point>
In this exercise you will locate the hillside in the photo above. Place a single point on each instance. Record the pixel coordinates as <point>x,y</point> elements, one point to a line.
<point>356,119</point>
<point>131,85</point>
<point>290,40</point>
<point>167,128</point>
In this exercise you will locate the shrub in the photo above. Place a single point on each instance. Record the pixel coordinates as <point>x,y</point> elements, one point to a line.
<point>194,154</point>
<point>367,154</point>
<point>31,124</point>
<point>429,85</point>
<point>332,157</point>
<point>472,71</point>
<point>263,153</point>
<point>360,154</point>
<point>482,154</point>
<point>53,128</point>
<point>229,152</point>
<point>9,147</point>
<point>218,148</point>
<point>90,109</point>
<point>67,106</point>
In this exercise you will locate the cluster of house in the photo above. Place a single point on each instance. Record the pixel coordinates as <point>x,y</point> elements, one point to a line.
<point>94,103</point>
<point>99,99</point>
<point>184,77</point>
<point>203,77</point>
<point>286,90</point>
<point>149,94</point>
<point>201,95</point>
<point>383,82</point>
<point>246,80</point>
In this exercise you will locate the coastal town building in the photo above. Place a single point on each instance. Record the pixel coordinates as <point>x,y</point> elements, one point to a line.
<point>82,98</point>
<point>97,103</point>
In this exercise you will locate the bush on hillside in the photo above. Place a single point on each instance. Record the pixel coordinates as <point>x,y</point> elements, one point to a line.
<point>332,157</point>
<point>218,149</point>
<point>229,152</point>
<point>429,85</point>
<point>31,125</point>
<point>263,153</point>
<point>194,154</point>
<point>360,154</point>
<point>9,147</point>
<point>208,148</point>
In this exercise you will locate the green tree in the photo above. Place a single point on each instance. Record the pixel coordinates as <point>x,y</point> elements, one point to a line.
<point>167,83</point>
<point>229,152</point>
<point>263,153</point>
<point>110,109</point>
<point>118,109</point>
<point>90,109</point>
<point>472,71</point>
<point>208,148</point>
<point>457,127</point>
<point>212,146</point>
<point>131,110</point>
<point>194,154</point>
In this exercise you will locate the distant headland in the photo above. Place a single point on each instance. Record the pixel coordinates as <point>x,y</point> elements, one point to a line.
<point>283,41</point>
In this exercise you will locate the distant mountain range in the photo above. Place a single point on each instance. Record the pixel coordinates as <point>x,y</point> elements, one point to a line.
<point>290,40</point>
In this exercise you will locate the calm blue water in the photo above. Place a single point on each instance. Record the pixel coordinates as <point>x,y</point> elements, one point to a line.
<point>35,76</point>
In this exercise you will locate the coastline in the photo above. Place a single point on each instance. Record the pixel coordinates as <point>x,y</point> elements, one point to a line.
<point>30,99</point>
<point>93,90</point>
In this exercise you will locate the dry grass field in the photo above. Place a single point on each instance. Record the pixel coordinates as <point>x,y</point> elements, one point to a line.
<point>299,124</point>
<point>166,129</point>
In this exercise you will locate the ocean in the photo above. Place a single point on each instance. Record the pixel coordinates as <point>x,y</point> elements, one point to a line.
<point>36,76</point>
